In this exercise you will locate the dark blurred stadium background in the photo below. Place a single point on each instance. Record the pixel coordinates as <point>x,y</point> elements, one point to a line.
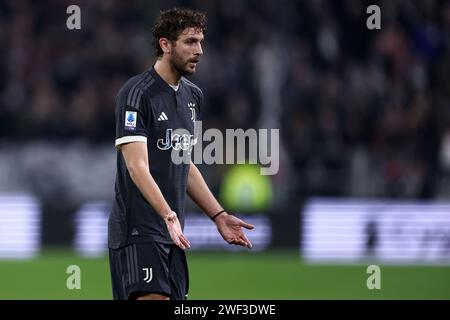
<point>364,119</point>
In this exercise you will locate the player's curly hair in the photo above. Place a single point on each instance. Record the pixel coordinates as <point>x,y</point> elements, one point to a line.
<point>171,23</point>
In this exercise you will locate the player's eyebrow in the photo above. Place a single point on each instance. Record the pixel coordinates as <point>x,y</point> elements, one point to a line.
<point>194,39</point>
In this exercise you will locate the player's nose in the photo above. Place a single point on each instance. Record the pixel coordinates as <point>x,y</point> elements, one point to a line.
<point>199,50</point>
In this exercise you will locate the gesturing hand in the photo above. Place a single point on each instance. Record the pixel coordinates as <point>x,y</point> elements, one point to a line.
<point>174,228</point>
<point>230,228</point>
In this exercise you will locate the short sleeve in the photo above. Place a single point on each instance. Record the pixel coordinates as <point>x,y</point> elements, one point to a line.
<point>131,122</point>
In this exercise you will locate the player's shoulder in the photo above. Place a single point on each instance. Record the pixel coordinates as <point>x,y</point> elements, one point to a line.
<point>133,89</point>
<point>193,87</point>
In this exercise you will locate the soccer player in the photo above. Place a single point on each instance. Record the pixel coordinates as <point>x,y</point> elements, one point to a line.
<point>145,228</point>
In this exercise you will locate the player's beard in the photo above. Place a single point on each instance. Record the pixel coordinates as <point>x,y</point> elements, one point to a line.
<point>180,65</point>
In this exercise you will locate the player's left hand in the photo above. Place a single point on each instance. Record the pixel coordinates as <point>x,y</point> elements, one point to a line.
<point>230,227</point>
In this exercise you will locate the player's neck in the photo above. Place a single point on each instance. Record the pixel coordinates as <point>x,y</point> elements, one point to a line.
<point>167,73</point>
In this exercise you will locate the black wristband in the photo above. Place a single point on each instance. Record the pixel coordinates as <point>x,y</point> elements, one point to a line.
<point>217,215</point>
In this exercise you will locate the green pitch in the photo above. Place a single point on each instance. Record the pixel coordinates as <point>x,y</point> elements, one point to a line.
<point>235,275</point>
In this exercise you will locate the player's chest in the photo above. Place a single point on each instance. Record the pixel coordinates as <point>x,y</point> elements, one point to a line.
<point>174,112</point>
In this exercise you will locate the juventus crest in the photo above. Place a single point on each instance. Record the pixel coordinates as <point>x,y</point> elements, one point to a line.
<point>192,107</point>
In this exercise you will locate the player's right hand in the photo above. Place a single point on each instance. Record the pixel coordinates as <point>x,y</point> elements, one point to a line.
<point>174,228</point>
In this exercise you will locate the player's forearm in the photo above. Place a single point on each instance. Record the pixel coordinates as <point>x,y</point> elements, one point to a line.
<point>200,193</point>
<point>142,178</point>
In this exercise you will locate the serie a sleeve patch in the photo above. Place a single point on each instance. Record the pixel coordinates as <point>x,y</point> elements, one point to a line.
<point>130,120</point>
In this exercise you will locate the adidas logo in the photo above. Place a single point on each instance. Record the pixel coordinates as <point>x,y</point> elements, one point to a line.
<point>162,117</point>
<point>134,232</point>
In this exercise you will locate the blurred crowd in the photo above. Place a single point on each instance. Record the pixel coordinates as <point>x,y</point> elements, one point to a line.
<point>361,112</point>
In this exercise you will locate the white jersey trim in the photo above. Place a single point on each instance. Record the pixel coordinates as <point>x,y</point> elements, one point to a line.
<point>128,139</point>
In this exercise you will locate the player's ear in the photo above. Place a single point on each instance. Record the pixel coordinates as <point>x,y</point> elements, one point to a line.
<point>164,43</point>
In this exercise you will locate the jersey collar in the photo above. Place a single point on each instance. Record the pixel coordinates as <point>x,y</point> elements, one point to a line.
<point>163,84</point>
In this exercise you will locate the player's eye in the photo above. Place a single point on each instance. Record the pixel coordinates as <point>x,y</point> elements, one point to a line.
<point>191,41</point>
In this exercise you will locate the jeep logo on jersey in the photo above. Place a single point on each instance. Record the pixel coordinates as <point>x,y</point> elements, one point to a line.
<point>176,141</point>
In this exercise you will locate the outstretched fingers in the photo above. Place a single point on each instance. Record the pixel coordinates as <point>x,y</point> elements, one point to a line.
<point>246,241</point>
<point>246,225</point>
<point>237,242</point>
<point>242,240</point>
<point>184,242</point>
